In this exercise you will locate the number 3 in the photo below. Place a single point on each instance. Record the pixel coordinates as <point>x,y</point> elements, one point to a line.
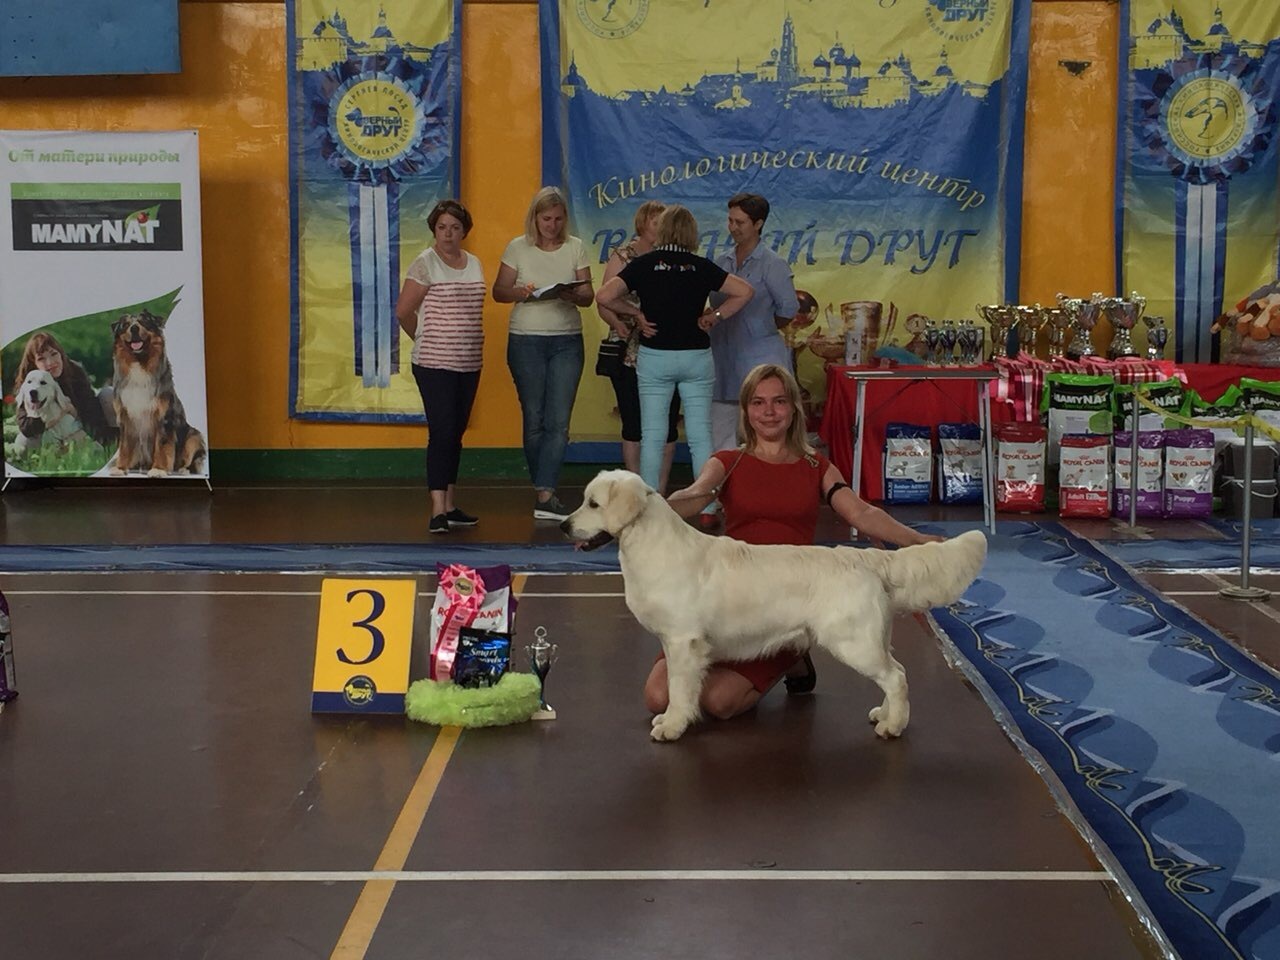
<point>379,605</point>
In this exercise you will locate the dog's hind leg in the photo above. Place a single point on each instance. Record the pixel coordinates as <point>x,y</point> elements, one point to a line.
<point>864,645</point>
<point>687,662</point>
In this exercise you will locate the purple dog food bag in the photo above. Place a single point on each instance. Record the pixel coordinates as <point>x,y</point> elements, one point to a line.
<point>1150,473</point>
<point>1188,473</point>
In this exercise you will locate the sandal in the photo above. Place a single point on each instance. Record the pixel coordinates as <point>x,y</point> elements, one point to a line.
<point>802,683</point>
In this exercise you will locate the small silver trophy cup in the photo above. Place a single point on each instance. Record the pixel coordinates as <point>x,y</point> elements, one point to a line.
<point>1124,317</point>
<point>1084,317</point>
<point>541,656</point>
<point>1157,336</point>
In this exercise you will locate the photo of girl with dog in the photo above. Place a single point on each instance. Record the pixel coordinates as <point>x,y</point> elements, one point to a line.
<point>60,418</point>
<point>56,420</point>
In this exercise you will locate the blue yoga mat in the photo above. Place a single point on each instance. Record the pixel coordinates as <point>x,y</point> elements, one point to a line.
<point>303,558</point>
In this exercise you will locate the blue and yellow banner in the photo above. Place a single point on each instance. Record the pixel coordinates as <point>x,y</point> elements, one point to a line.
<point>887,137</point>
<point>374,107</point>
<point>1197,193</point>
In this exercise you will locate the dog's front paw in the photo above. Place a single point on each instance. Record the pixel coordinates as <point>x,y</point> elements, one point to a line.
<point>116,472</point>
<point>156,472</point>
<point>667,727</point>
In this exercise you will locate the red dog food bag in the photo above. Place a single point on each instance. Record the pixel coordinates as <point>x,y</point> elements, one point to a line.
<point>1084,475</point>
<point>1020,467</point>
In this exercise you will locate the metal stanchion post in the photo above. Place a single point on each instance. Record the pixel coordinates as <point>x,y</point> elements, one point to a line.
<point>1244,591</point>
<point>1133,461</point>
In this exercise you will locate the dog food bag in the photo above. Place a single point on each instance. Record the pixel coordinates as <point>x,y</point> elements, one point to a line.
<point>908,458</point>
<point>1020,467</point>
<point>960,465</point>
<point>1076,403</point>
<point>1168,395</point>
<point>1188,473</point>
<point>1150,473</point>
<point>1084,476</point>
<point>477,597</point>
<point>483,657</point>
<point>1263,398</point>
<point>8,682</point>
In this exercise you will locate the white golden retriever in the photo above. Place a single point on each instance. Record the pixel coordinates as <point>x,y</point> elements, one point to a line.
<point>44,400</point>
<point>712,598</point>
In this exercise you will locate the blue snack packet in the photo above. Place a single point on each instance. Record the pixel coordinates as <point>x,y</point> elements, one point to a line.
<point>483,657</point>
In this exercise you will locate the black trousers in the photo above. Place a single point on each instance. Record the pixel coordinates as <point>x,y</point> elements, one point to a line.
<point>447,397</point>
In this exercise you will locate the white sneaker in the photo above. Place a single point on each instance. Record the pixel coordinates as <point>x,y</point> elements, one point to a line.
<point>550,509</point>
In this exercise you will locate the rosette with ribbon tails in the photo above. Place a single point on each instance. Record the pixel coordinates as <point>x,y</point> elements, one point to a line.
<point>379,119</point>
<point>463,592</point>
<point>1207,117</point>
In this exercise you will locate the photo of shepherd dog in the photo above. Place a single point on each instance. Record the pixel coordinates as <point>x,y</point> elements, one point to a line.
<point>154,433</point>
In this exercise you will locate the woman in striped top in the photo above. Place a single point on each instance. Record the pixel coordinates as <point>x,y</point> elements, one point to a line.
<point>441,307</point>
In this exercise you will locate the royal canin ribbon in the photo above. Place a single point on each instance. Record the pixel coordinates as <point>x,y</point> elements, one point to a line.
<point>463,591</point>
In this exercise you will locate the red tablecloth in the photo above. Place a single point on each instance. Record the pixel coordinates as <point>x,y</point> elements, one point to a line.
<point>1016,395</point>
<point>1211,380</point>
<point>888,401</point>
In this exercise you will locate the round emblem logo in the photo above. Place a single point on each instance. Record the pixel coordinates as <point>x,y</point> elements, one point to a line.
<point>612,19</point>
<point>375,119</point>
<point>1207,119</point>
<point>359,691</point>
<point>960,19</point>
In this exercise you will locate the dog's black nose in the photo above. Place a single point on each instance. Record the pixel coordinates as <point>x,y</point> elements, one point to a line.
<point>564,527</point>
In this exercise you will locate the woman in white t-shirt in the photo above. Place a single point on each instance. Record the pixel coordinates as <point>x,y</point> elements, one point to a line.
<point>440,307</point>
<point>544,349</point>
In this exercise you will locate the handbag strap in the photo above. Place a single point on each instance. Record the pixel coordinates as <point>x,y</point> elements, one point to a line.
<point>728,473</point>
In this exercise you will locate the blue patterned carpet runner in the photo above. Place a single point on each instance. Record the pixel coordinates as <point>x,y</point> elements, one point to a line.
<point>1163,735</point>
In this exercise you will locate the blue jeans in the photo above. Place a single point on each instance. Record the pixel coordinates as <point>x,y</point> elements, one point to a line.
<point>660,373</point>
<point>546,371</point>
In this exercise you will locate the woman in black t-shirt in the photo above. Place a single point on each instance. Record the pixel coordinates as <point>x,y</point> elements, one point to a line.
<point>672,283</point>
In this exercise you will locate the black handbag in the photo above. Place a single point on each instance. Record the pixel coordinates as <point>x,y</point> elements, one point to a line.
<point>609,359</point>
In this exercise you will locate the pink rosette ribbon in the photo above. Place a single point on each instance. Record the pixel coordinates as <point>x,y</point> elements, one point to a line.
<point>464,593</point>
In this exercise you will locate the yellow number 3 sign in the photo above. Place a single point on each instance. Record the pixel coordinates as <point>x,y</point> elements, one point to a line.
<point>363,645</point>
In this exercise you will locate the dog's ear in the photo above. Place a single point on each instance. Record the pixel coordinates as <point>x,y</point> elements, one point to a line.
<point>151,320</point>
<point>625,500</point>
<point>117,327</point>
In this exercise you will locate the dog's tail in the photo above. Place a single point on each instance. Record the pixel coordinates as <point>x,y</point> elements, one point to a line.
<point>933,574</point>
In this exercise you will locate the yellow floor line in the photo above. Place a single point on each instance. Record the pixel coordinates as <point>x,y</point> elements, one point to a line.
<point>365,916</point>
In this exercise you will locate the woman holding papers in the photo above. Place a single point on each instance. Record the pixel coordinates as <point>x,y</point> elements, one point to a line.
<point>544,349</point>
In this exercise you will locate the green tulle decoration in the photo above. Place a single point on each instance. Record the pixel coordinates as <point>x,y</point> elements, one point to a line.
<point>444,703</point>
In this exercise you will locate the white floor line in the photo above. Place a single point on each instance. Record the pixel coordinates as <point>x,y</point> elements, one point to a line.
<point>246,593</point>
<point>1262,607</point>
<point>554,876</point>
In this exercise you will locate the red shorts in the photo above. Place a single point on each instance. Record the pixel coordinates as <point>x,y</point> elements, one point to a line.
<point>763,673</point>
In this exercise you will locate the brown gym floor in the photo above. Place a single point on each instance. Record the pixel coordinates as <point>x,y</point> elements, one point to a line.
<point>165,792</point>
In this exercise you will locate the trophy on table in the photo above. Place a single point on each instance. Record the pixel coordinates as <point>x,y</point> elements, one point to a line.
<point>1084,317</point>
<point>1157,336</point>
<point>970,340</point>
<point>1000,319</point>
<point>1028,326</point>
<point>541,656</point>
<point>1059,322</point>
<point>932,337</point>
<point>1124,317</point>
<point>947,342</point>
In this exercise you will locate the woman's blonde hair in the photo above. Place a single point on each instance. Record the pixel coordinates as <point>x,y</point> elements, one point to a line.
<point>678,228</point>
<point>645,211</point>
<point>797,438</point>
<point>544,200</point>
